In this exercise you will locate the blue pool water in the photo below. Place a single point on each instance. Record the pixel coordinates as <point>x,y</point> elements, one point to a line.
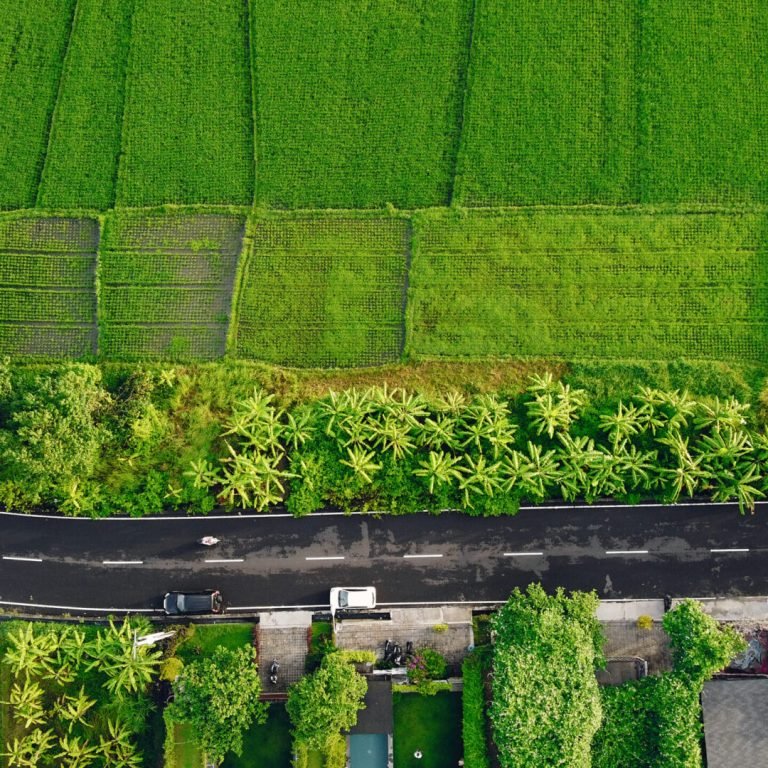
<point>368,750</point>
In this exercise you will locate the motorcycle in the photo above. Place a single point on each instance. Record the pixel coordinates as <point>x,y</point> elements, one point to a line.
<point>208,541</point>
<point>274,668</point>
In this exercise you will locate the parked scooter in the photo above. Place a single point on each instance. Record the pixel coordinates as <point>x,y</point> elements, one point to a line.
<point>274,668</point>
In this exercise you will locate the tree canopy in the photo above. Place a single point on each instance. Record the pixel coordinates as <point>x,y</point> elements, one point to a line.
<point>218,695</point>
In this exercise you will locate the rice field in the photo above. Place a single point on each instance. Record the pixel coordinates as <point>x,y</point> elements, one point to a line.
<point>595,285</point>
<point>187,133</point>
<point>33,41</point>
<point>324,291</point>
<point>510,136</point>
<point>47,287</point>
<point>358,105</point>
<point>166,285</point>
<point>551,104</point>
<point>81,163</point>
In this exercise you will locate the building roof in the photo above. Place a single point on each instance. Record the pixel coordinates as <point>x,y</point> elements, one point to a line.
<point>735,714</point>
<point>377,715</point>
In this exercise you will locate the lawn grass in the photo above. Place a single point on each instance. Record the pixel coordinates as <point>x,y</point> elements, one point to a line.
<point>358,105</point>
<point>33,40</point>
<point>207,637</point>
<point>186,752</point>
<point>266,746</point>
<point>429,724</point>
<point>705,103</point>
<point>551,104</point>
<point>187,128</point>
<point>323,291</point>
<point>81,163</point>
<point>590,285</point>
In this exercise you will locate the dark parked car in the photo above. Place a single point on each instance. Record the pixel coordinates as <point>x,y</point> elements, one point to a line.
<point>205,601</point>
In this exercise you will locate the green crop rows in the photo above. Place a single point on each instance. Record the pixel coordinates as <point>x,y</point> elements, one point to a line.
<point>81,164</point>
<point>551,104</point>
<point>324,291</point>
<point>580,284</point>
<point>187,130</point>
<point>33,38</point>
<point>166,285</point>
<point>47,288</point>
<point>358,105</point>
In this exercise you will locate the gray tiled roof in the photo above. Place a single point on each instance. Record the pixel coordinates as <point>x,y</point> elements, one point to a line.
<point>735,717</point>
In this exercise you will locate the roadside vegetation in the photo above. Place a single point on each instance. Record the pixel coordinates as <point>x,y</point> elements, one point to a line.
<point>139,440</point>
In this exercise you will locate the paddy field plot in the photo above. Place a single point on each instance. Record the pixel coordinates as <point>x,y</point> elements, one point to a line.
<point>84,145</point>
<point>551,104</point>
<point>33,41</point>
<point>704,109</point>
<point>358,104</point>
<point>582,284</point>
<point>324,291</point>
<point>188,124</point>
<point>166,285</point>
<point>47,286</point>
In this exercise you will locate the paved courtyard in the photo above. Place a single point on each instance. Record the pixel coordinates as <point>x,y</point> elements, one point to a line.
<point>283,636</point>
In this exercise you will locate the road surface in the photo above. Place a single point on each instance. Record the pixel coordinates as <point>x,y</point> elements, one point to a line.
<point>274,561</point>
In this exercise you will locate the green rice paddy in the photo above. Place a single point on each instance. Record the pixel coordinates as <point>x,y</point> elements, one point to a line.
<point>576,179</point>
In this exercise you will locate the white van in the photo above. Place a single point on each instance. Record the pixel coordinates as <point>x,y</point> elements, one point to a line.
<point>352,598</point>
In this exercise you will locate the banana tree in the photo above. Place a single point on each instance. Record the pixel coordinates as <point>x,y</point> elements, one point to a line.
<point>479,478</point>
<point>73,709</point>
<point>439,469</point>
<point>76,752</point>
<point>30,652</point>
<point>362,463</point>
<point>26,701</point>
<point>621,425</point>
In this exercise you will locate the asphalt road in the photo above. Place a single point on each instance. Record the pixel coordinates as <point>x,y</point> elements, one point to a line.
<point>61,564</point>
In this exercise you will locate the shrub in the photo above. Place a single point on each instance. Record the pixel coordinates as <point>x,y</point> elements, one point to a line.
<point>171,668</point>
<point>644,622</point>
<point>426,664</point>
<point>474,716</point>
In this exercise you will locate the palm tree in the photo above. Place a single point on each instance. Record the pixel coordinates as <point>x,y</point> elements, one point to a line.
<point>73,709</point>
<point>622,424</point>
<point>439,469</point>
<point>539,471</point>
<point>27,702</point>
<point>395,436</point>
<point>740,485</point>
<point>439,432</point>
<point>29,652</point>
<point>728,414</point>
<point>479,478</point>
<point>362,463</point>
<point>76,752</point>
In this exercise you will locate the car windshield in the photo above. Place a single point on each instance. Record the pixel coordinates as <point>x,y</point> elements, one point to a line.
<point>343,598</point>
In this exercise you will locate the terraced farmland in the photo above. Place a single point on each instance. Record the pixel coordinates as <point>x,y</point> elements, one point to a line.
<point>166,285</point>
<point>583,284</point>
<point>47,287</point>
<point>324,291</point>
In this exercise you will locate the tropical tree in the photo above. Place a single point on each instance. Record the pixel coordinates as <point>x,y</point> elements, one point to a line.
<point>726,414</point>
<point>29,652</point>
<point>29,750</point>
<point>621,425</point>
<point>439,470</point>
<point>26,699</point>
<point>362,463</point>
<point>117,748</point>
<point>76,752</point>
<point>326,702</point>
<point>218,695</point>
<point>479,478</point>
<point>73,709</point>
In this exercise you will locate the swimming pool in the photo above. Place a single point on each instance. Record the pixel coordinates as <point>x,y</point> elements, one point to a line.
<point>368,750</point>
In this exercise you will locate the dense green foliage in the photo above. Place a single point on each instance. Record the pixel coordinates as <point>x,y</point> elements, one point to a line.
<point>33,40</point>
<point>323,704</point>
<point>84,146</point>
<point>323,291</point>
<point>551,104</point>
<point>474,717</point>
<point>144,440</point>
<point>76,695</point>
<point>218,694</point>
<point>656,722</point>
<point>546,704</point>
<point>373,118</point>
<point>188,124</point>
<point>590,284</point>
